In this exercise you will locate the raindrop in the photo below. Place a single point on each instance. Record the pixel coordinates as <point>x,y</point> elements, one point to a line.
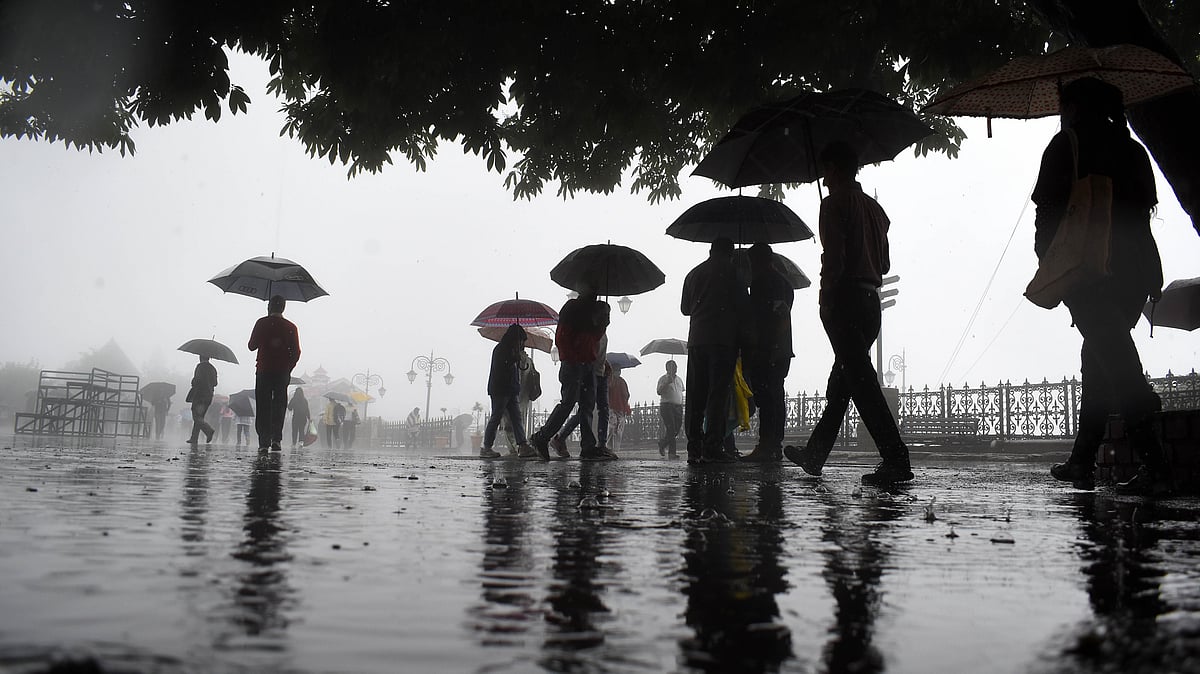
<point>499,482</point>
<point>857,493</point>
<point>573,484</point>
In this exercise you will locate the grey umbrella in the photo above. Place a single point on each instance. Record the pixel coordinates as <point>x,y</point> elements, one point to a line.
<point>264,277</point>
<point>671,347</point>
<point>210,348</point>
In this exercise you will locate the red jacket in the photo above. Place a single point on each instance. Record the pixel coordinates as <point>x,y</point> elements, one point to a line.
<point>277,342</point>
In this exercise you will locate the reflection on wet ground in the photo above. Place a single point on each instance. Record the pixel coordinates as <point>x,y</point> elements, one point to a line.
<point>156,558</point>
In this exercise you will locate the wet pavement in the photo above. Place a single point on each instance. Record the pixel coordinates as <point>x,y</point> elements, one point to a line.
<point>158,558</point>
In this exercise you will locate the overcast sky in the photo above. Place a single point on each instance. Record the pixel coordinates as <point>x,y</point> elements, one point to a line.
<point>99,246</point>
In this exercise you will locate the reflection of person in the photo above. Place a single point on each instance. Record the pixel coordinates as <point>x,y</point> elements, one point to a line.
<point>715,301</point>
<point>1093,119</point>
<point>262,591</point>
<point>504,387</point>
<point>300,416</point>
<point>854,259</point>
<point>618,408</point>
<point>204,380</point>
<point>767,362</point>
<point>670,409</point>
<point>582,322</point>
<point>161,405</point>
<point>278,344</point>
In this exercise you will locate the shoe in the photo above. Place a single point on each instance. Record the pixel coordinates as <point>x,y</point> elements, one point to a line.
<point>527,452</point>
<point>275,447</point>
<point>805,458</point>
<point>560,447</point>
<point>487,453</point>
<point>888,472</point>
<point>192,444</point>
<point>763,454</point>
<point>662,451</point>
<point>540,446</point>
<point>512,451</point>
<point>1145,483</point>
<point>597,454</point>
<point>722,456</point>
<point>1079,475</point>
<point>208,436</point>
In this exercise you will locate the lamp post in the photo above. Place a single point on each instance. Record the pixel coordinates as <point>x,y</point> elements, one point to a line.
<point>429,365</point>
<point>624,303</point>
<point>896,364</point>
<point>366,381</point>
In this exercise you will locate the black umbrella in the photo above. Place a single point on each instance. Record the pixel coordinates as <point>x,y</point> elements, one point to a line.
<point>1179,306</point>
<point>210,348</point>
<point>741,219</point>
<point>158,390</point>
<point>607,269</point>
<point>790,270</point>
<point>779,142</point>
<point>264,277</point>
<point>241,403</point>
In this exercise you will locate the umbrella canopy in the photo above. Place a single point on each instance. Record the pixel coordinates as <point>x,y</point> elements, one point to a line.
<point>211,348</point>
<point>1179,306</point>
<point>622,360</point>
<point>790,270</point>
<point>671,347</point>
<point>241,403</point>
<point>537,338</point>
<point>526,313</point>
<point>1027,86</point>
<point>339,397</point>
<point>742,219</point>
<point>158,390</point>
<point>296,381</point>
<point>779,142</point>
<point>607,269</point>
<point>263,277</point>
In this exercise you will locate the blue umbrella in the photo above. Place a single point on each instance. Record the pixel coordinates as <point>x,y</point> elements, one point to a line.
<point>622,360</point>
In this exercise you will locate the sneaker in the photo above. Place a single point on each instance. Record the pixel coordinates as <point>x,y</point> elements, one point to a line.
<point>560,447</point>
<point>540,446</point>
<point>1079,475</point>
<point>597,454</point>
<point>805,458</point>
<point>527,452</point>
<point>763,454</point>
<point>1145,483</point>
<point>888,472</point>
<point>488,453</point>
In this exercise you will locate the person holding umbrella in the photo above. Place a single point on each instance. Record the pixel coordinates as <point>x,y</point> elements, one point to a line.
<point>504,388</point>
<point>204,381</point>
<point>767,362</point>
<point>161,405</point>
<point>300,416</point>
<point>278,344</point>
<point>854,258</point>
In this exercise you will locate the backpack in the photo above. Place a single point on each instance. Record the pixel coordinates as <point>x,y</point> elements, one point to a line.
<point>533,383</point>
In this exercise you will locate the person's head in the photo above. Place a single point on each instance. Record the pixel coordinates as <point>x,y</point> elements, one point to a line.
<point>203,359</point>
<point>276,305</point>
<point>1089,99</point>
<point>616,370</point>
<point>760,256</point>
<point>722,246</point>
<point>672,368</point>
<point>299,392</point>
<point>839,163</point>
<point>514,337</point>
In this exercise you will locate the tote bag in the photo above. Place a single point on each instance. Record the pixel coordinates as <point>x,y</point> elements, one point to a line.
<point>1079,253</point>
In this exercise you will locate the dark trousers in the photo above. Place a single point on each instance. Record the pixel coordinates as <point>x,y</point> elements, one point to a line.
<point>766,380</point>
<point>503,406</point>
<point>1111,372</point>
<point>270,392</point>
<point>199,409</point>
<point>593,396</point>
<point>851,318</point>
<point>706,408</point>
<point>574,378</point>
<point>672,419</point>
<point>299,425</point>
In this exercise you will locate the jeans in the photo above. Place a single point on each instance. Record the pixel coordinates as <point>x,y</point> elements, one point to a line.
<point>504,406</point>
<point>574,378</point>
<point>594,395</point>
<point>672,418</point>
<point>199,409</point>
<point>270,392</point>
<point>299,425</point>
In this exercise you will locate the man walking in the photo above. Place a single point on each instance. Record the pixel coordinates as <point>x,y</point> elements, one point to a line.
<point>853,261</point>
<point>767,362</point>
<point>670,409</point>
<point>204,382</point>
<point>715,300</point>
<point>278,344</point>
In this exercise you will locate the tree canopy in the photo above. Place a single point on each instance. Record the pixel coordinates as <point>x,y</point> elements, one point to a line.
<point>577,93</point>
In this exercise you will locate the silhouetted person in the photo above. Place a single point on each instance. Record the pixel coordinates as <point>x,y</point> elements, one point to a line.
<point>854,259</point>
<point>715,300</point>
<point>670,409</point>
<point>301,415</point>
<point>504,388</point>
<point>767,362</point>
<point>278,344</point>
<point>1093,119</point>
<point>592,404</point>
<point>351,427</point>
<point>161,405</point>
<point>204,380</point>
<point>413,424</point>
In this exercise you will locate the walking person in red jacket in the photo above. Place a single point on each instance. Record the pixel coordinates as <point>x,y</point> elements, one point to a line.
<point>278,344</point>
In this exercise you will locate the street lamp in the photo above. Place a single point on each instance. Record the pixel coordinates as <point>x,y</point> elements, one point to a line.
<point>366,381</point>
<point>896,363</point>
<point>429,365</point>
<point>624,303</point>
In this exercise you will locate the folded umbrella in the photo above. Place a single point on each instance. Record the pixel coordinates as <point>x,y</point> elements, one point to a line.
<point>741,219</point>
<point>264,277</point>
<point>607,269</point>
<point>1179,306</point>
<point>210,348</point>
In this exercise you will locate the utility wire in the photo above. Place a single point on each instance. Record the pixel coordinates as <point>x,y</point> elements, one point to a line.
<point>1020,303</point>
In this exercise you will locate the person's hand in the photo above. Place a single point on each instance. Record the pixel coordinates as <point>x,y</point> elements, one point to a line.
<point>1156,295</point>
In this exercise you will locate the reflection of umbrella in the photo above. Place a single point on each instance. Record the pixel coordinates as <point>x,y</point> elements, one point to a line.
<point>779,142</point>
<point>210,348</point>
<point>296,381</point>
<point>790,270</point>
<point>158,390</point>
<point>1179,306</point>
<point>263,277</point>
<point>607,269</point>
<point>742,219</point>
<point>537,338</point>
<point>340,397</point>
<point>242,403</point>
<point>622,360</point>
<point>671,347</point>
<point>526,313</point>
<point>1027,86</point>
